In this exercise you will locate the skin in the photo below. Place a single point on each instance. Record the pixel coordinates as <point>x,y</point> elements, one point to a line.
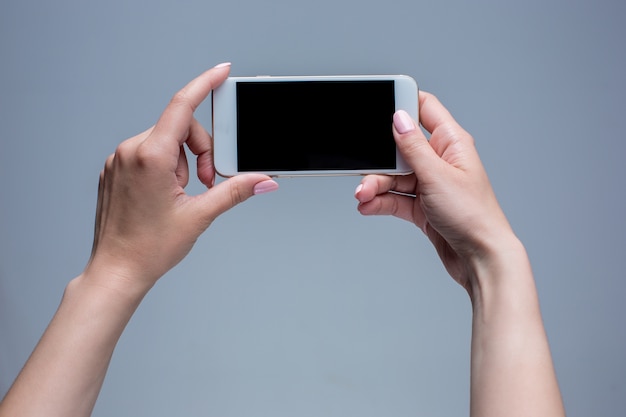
<point>451,200</point>
<point>146,224</point>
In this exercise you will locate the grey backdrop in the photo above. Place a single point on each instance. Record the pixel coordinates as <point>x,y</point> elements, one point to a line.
<point>293,304</point>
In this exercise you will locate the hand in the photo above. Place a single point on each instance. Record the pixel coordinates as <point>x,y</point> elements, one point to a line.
<point>450,197</point>
<point>145,222</point>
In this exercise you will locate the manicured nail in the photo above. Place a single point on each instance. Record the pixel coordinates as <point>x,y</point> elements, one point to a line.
<point>358,189</point>
<point>266,186</point>
<point>403,122</point>
<point>222,65</point>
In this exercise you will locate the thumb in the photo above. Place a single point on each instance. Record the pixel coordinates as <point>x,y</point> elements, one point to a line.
<point>413,145</point>
<point>229,193</point>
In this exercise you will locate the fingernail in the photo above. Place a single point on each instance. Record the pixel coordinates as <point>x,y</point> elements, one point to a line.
<point>222,65</point>
<point>358,189</point>
<point>266,186</point>
<point>403,122</point>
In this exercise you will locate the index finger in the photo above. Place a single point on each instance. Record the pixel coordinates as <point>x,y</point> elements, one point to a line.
<point>175,121</point>
<point>432,113</point>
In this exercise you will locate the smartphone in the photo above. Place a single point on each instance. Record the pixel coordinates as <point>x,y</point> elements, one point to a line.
<point>310,125</point>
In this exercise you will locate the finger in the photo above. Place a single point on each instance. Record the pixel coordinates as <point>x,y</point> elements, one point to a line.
<point>433,114</point>
<point>228,194</point>
<point>444,129</point>
<point>449,140</point>
<point>400,206</point>
<point>414,147</point>
<point>182,169</point>
<point>373,185</point>
<point>201,145</point>
<point>173,126</point>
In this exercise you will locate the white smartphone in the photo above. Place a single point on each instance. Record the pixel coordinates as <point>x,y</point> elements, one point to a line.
<point>310,125</point>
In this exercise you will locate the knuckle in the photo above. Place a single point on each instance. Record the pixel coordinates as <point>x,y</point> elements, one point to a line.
<point>181,99</point>
<point>122,149</point>
<point>124,153</point>
<point>394,206</point>
<point>145,154</point>
<point>236,195</point>
<point>108,164</point>
<point>139,155</point>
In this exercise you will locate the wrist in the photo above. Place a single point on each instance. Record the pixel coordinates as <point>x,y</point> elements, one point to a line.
<point>114,282</point>
<point>511,366</point>
<point>502,275</point>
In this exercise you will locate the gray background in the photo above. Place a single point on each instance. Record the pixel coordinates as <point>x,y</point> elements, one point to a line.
<point>293,304</point>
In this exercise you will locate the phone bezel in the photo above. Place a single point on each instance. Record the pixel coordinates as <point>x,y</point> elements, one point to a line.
<point>224,121</point>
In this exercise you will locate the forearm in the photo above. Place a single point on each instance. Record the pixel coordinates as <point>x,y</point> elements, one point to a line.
<point>512,373</point>
<point>65,372</point>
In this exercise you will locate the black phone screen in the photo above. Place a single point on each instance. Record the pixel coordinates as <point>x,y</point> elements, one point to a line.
<point>315,125</point>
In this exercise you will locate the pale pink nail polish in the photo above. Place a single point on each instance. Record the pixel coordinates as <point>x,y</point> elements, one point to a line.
<point>266,186</point>
<point>222,65</point>
<point>358,189</point>
<point>403,122</point>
